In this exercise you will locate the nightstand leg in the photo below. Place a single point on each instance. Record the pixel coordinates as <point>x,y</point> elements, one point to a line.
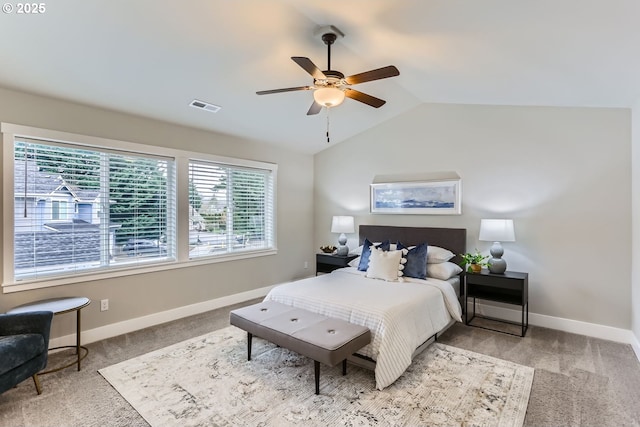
<point>466,310</point>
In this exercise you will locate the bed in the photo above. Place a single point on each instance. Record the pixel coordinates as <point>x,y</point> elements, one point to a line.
<point>404,317</point>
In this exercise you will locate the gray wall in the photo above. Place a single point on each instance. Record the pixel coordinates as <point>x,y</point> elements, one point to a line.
<point>635,274</point>
<point>562,174</point>
<point>135,296</point>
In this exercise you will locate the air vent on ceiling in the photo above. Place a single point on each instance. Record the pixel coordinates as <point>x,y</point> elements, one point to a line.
<point>205,106</point>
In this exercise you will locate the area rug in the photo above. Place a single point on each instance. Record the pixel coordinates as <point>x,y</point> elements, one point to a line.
<point>207,381</point>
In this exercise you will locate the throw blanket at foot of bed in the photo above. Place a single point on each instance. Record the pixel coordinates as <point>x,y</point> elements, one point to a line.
<point>323,339</point>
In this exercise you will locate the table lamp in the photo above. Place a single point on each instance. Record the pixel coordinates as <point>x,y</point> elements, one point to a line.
<point>496,231</point>
<point>342,225</point>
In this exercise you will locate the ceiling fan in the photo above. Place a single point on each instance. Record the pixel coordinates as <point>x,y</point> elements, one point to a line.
<point>330,87</point>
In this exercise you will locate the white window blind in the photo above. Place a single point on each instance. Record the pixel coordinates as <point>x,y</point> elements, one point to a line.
<point>85,208</point>
<point>231,209</point>
<point>77,209</point>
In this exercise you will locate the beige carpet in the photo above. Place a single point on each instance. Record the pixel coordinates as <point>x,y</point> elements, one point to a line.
<point>208,381</point>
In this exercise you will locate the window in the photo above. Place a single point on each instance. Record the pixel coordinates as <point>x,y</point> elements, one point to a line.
<point>85,206</point>
<point>126,202</point>
<point>55,206</point>
<point>231,209</point>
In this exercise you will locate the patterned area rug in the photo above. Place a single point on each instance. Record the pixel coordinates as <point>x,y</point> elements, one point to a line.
<point>207,381</point>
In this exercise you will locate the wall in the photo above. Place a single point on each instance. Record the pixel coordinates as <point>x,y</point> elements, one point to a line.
<point>562,174</point>
<point>635,185</point>
<point>145,294</point>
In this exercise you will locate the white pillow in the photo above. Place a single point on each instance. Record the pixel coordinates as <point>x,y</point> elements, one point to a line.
<point>354,262</point>
<point>443,270</point>
<point>385,265</point>
<point>436,254</point>
<point>358,250</point>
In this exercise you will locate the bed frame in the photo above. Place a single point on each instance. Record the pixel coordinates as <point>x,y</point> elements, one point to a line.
<point>454,239</point>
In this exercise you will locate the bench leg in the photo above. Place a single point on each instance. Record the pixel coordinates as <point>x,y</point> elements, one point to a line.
<point>316,368</point>
<point>249,339</point>
<point>344,367</point>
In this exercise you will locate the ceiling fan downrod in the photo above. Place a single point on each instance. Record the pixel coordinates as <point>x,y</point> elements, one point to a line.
<point>329,39</point>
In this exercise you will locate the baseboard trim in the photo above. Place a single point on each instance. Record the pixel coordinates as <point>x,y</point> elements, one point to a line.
<point>635,344</point>
<point>594,330</point>
<point>625,336</point>
<point>126,326</point>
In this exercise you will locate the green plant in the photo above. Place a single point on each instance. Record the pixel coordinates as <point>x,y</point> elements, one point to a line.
<point>474,258</point>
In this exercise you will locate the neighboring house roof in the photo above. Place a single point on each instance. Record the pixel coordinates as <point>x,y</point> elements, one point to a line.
<point>69,225</point>
<point>46,184</point>
<point>75,225</point>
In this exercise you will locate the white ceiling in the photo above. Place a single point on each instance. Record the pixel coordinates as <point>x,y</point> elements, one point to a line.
<point>153,57</point>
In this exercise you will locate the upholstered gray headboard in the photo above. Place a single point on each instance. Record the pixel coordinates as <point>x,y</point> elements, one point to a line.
<point>454,239</point>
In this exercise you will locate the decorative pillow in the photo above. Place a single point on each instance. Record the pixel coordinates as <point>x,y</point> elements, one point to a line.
<point>436,254</point>
<point>385,265</point>
<point>416,265</point>
<point>358,250</point>
<point>443,270</point>
<point>366,250</point>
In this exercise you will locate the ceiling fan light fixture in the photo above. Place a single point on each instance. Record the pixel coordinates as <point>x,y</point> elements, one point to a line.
<point>329,96</point>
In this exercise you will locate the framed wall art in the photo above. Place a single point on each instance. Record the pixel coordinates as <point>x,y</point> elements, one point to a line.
<point>442,197</point>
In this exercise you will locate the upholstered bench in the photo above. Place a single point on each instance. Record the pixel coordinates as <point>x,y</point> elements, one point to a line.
<point>321,338</point>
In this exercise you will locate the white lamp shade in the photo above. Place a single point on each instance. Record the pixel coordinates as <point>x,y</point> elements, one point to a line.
<point>328,96</point>
<point>497,230</point>
<point>342,224</point>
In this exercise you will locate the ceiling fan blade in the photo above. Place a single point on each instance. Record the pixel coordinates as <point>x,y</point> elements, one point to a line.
<point>287,89</point>
<point>377,74</point>
<point>314,109</point>
<point>364,98</point>
<point>309,67</point>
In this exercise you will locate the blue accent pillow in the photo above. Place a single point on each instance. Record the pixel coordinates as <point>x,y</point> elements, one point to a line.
<point>366,252</point>
<point>416,265</point>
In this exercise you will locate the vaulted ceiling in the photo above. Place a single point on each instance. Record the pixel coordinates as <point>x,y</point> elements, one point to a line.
<point>153,57</point>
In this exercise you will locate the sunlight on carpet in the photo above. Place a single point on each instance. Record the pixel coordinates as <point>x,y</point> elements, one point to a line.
<point>208,381</point>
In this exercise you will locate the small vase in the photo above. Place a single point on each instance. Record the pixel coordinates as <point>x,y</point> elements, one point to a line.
<point>475,268</point>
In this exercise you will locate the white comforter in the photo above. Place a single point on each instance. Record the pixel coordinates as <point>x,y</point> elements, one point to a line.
<point>400,315</point>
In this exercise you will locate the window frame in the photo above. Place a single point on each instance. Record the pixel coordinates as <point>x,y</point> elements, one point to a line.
<point>182,158</point>
<point>196,168</point>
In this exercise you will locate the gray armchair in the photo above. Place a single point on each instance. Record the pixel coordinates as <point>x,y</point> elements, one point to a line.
<point>24,343</point>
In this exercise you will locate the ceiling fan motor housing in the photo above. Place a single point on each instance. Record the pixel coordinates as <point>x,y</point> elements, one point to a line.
<point>334,79</point>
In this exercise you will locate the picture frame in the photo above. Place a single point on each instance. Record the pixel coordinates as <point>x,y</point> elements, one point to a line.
<point>438,197</point>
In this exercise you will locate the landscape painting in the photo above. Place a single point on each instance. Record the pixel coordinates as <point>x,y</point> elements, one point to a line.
<point>426,198</point>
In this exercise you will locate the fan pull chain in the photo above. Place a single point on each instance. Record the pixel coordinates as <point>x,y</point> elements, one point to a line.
<point>328,138</point>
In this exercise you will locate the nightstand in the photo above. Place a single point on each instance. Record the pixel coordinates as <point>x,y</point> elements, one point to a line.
<point>510,287</point>
<point>326,263</point>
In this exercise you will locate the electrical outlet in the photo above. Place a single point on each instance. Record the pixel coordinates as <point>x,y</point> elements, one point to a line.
<point>306,264</point>
<point>104,305</point>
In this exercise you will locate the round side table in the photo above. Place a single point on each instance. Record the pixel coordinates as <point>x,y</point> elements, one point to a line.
<point>60,306</point>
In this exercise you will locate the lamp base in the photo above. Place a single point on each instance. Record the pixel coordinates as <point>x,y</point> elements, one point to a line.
<point>343,250</point>
<point>496,264</point>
